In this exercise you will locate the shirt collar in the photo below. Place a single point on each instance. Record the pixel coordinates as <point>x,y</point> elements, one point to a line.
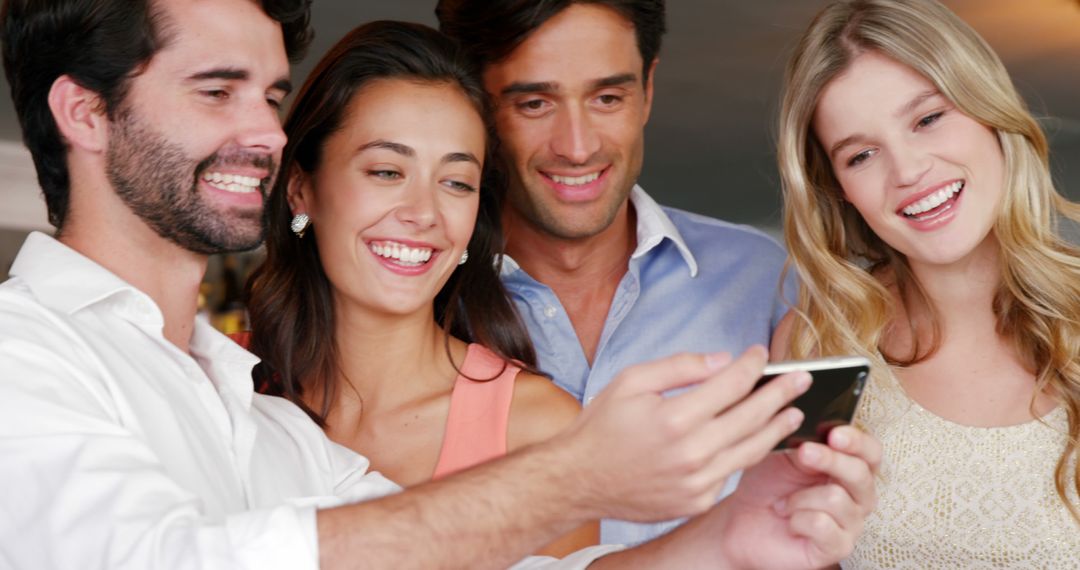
<point>653,226</point>
<point>64,279</point>
<point>67,281</point>
<point>226,363</point>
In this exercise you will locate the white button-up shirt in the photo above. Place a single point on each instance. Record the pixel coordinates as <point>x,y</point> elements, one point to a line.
<point>117,450</point>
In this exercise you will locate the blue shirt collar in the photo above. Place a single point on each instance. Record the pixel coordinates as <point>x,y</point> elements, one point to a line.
<point>653,226</point>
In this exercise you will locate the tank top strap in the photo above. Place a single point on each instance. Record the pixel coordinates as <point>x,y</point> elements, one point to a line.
<point>476,427</point>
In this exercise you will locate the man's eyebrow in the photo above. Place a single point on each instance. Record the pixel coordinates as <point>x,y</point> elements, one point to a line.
<point>404,150</point>
<point>237,74</point>
<point>283,85</point>
<point>615,80</point>
<point>461,157</point>
<point>226,73</point>
<point>553,87</point>
<point>530,87</point>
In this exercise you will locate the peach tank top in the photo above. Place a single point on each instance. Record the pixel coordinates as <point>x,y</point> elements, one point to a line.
<point>479,412</point>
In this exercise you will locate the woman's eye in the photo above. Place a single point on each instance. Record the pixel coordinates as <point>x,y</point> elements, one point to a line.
<point>385,174</point>
<point>459,185</point>
<point>860,158</point>
<point>930,119</point>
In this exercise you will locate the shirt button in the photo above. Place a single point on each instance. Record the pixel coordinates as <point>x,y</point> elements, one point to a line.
<point>549,311</point>
<point>589,400</point>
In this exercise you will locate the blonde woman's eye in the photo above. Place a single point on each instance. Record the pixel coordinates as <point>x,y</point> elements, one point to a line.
<point>859,158</point>
<point>930,119</point>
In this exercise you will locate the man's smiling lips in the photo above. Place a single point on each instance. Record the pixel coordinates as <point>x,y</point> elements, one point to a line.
<point>581,187</point>
<point>230,182</point>
<point>236,187</point>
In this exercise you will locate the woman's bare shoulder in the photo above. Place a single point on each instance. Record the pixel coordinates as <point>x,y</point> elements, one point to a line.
<point>539,410</point>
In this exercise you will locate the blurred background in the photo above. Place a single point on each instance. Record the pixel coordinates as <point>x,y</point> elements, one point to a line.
<point>709,143</point>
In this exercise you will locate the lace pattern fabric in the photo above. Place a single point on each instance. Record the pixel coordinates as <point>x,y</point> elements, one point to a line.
<point>954,496</point>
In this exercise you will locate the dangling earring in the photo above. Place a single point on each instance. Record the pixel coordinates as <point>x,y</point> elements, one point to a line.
<point>464,257</point>
<point>299,224</point>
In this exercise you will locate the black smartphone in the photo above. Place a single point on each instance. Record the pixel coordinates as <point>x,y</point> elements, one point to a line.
<point>831,399</point>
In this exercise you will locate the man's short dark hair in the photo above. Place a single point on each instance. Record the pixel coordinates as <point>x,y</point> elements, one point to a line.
<point>491,30</point>
<point>101,45</point>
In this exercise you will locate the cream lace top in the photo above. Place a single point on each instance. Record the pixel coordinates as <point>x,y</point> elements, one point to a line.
<point>953,496</point>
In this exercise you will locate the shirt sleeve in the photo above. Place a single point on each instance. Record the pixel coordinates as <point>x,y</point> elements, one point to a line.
<point>576,561</point>
<point>788,295</point>
<point>81,491</point>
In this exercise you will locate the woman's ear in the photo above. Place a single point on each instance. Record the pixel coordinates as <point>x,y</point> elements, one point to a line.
<point>298,191</point>
<point>79,114</point>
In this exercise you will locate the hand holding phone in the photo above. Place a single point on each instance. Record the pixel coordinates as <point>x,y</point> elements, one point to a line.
<point>831,399</point>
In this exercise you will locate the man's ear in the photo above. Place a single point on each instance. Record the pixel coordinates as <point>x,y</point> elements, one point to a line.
<point>79,114</point>
<point>298,191</point>
<point>649,89</point>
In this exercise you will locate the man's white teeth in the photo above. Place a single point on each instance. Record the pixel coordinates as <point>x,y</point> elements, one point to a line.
<point>232,182</point>
<point>934,200</point>
<point>575,180</point>
<point>401,253</point>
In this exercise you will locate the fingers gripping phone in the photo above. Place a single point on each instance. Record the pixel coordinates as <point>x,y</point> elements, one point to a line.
<point>831,399</point>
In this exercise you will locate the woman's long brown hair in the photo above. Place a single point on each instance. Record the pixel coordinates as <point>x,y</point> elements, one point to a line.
<point>289,296</point>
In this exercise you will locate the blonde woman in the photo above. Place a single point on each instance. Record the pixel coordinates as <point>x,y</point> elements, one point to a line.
<point>921,218</point>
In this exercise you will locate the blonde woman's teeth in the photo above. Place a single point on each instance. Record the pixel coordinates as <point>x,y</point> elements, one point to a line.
<point>575,180</point>
<point>401,253</point>
<point>232,182</point>
<point>934,200</point>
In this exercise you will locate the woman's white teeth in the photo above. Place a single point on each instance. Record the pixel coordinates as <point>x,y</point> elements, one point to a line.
<point>934,200</point>
<point>575,180</point>
<point>401,253</point>
<point>232,182</point>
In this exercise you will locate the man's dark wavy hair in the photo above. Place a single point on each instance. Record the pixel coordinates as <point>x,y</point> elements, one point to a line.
<point>491,30</point>
<point>102,45</point>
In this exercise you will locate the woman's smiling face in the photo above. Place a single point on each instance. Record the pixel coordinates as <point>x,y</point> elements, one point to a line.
<point>925,177</point>
<point>394,199</point>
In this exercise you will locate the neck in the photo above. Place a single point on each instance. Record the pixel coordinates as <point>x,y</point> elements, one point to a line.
<point>589,262</point>
<point>389,359</point>
<point>962,293</point>
<point>105,230</point>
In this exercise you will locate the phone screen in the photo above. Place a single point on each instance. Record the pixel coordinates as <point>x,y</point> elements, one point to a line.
<point>832,398</point>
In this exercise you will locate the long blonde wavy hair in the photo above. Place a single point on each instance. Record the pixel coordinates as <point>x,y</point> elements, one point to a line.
<point>843,308</point>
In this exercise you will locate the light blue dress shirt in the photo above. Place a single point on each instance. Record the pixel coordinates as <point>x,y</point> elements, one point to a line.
<point>694,284</point>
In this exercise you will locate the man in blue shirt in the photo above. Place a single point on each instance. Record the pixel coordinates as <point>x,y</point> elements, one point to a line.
<point>603,276</point>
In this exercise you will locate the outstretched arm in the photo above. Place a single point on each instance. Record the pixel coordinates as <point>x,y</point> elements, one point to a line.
<point>539,411</point>
<point>632,454</point>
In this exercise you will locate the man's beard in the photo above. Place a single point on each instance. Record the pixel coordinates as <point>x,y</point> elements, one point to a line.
<point>159,182</point>
<point>530,198</point>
